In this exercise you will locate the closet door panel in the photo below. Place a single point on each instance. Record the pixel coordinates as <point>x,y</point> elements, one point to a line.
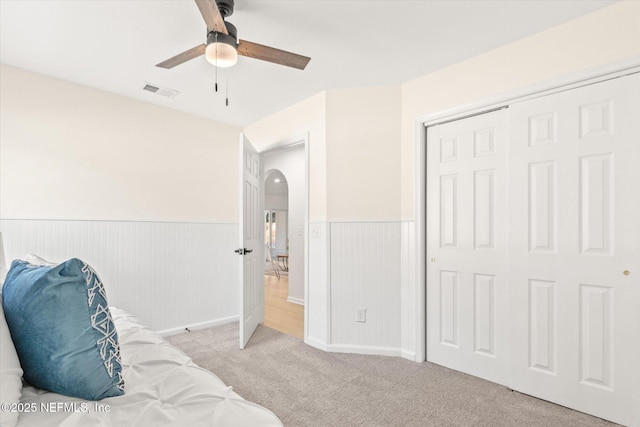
<point>467,245</point>
<point>574,261</point>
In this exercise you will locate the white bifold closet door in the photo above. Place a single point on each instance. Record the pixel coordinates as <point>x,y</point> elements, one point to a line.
<point>467,226</point>
<point>533,247</point>
<point>575,260</point>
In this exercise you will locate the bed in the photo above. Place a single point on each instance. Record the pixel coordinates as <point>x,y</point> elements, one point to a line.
<point>163,388</point>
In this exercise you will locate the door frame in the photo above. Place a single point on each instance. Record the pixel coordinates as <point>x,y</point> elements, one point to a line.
<point>283,145</point>
<point>547,87</point>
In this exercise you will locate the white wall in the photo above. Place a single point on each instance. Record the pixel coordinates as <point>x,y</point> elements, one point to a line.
<point>133,188</point>
<point>355,177</point>
<point>363,160</point>
<point>291,162</point>
<point>305,118</point>
<point>72,152</point>
<point>363,209</point>
<point>602,37</point>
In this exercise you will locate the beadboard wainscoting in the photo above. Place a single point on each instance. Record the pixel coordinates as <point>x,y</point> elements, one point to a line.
<point>318,309</point>
<point>409,302</point>
<point>365,274</point>
<point>170,275</point>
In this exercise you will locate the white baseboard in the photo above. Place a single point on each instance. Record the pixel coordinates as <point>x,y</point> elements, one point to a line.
<point>316,343</point>
<point>295,300</point>
<point>198,326</point>
<point>364,349</point>
<point>409,355</point>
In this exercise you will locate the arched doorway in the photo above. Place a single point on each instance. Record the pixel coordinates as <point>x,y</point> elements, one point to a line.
<point>284,255</point>
<point>276,205</point>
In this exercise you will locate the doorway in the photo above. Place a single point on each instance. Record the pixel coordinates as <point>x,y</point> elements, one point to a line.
<point>285,243</point>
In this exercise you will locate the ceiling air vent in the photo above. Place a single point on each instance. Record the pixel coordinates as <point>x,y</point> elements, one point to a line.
<point>161,91</point>
<point>150,88</point>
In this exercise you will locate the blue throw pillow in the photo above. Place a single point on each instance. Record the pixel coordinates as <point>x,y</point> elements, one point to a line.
<point>62,329</point>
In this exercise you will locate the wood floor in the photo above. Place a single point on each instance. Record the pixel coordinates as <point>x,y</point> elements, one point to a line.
<point>279,314</point>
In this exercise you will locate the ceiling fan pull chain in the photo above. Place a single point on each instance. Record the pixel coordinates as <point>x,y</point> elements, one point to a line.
<point>216,67</point>
<point>227,93</point>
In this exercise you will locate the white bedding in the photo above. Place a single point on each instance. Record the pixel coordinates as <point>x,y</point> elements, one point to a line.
<point>163,387</point>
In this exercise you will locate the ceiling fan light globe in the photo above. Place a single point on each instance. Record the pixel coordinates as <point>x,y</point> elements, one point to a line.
<point>221,54</point>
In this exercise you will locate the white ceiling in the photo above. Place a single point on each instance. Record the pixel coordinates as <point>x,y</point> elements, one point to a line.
<point>114,45</point>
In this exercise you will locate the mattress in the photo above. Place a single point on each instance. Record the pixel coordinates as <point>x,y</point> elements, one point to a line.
<point>163,387</point>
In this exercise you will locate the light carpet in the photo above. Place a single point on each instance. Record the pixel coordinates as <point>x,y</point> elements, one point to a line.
<point>308,387</point>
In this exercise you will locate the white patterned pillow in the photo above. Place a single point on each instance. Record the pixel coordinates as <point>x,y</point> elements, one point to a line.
<point>37,260</point>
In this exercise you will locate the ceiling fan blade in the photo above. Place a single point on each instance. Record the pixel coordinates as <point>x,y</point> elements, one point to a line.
<point>211,14</point>
<point>185,56</point>
<point>271,54</point>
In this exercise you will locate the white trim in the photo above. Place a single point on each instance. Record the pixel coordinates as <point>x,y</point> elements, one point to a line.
<point>364,349</point>
<point>362,221</point>
<point>547,87</point>
<point>145,221</point>
<point>409,261</point>
<point>409,355</point>
<point>557,84</point>
<point>285,144</point>
<point>307,212</point>
<point>329,297</point>
<point>421,241</point>
<point>198,326</point>
<point>294,300</point>
<point>407,219</point>
<point>315,343</point>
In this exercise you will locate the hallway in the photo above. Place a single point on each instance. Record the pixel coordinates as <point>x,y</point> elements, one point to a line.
<point>279,314</point>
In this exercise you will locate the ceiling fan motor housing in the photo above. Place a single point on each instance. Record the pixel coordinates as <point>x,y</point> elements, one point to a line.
<point>230,39</point>
<point>225,7</point>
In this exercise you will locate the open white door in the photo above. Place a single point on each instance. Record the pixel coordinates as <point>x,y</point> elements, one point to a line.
<point>251,242</point>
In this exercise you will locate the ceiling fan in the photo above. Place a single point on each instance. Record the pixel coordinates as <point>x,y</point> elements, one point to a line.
<point>223,47</point>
